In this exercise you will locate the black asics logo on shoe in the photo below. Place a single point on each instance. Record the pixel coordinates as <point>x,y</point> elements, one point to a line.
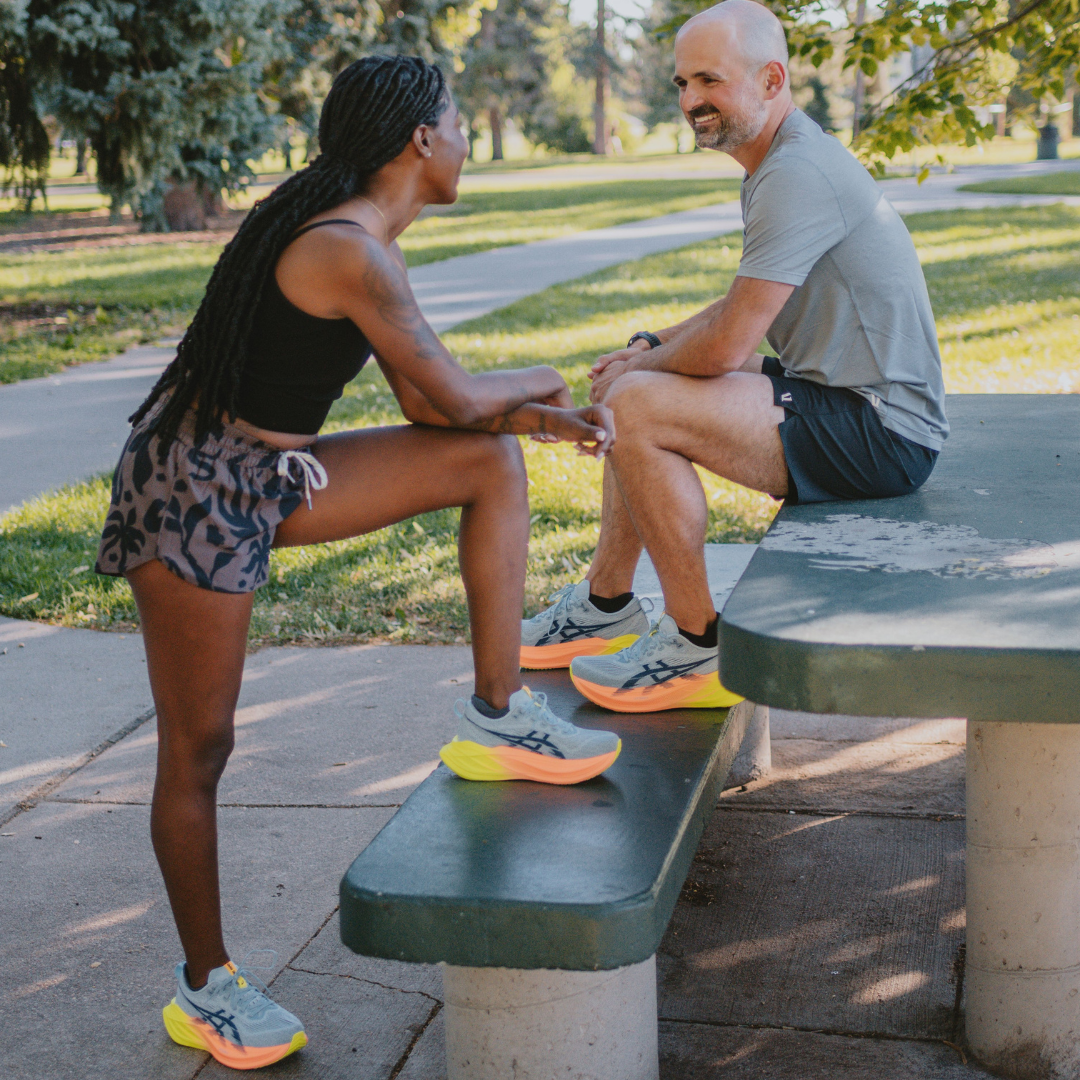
<point>537,742</point>
<point>662,672</point>
<point>571,631</point>
<point>218,1020</point>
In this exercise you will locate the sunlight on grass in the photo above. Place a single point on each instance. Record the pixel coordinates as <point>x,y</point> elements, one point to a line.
<point>484,219</point>
<point>154,288</point>
<point>1066,182</point>
<point>1004,285</point>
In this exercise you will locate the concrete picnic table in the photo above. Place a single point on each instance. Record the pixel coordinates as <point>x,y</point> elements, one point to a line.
<point>962,600</point>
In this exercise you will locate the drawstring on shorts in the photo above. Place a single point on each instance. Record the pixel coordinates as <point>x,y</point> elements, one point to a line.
<point>310,467</point>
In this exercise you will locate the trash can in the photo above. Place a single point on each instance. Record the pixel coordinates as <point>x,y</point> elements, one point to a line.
<point>1048,143</point>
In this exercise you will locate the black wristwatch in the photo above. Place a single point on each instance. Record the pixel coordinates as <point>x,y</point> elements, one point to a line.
<point>649,336</point>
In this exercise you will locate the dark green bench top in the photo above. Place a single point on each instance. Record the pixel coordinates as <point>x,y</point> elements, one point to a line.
<point>960,600</point>
<point>526,875</point>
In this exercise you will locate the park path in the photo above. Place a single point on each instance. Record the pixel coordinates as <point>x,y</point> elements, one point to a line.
<point>64,427</point>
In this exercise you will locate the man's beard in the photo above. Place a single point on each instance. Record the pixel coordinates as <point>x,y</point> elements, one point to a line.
<point>734,129</point>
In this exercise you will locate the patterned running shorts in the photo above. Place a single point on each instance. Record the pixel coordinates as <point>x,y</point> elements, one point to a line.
<point>209,511</point>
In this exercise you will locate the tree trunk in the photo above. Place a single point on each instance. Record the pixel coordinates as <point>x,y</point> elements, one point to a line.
<point>184,208</point>
<point>857,96</point>
<point>495,119</point>
<point>600,137</point>
<point>80,156</point>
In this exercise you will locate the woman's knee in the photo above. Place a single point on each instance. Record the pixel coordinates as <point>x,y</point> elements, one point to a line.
<point>502,461</point>
<point>199,754</point>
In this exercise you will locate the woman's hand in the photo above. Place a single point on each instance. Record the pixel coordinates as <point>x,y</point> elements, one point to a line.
<point>591,429</point>
<point>561,398</point>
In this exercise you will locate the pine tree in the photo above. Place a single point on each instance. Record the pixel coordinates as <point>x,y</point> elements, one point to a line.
<point>166,93</point>
<point>817,108</point>
<point>24,143</point>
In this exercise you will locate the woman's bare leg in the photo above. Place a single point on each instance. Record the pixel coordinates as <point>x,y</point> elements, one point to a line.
<point>195,642</point>
<point>195,639</point>
<point>382,475</point>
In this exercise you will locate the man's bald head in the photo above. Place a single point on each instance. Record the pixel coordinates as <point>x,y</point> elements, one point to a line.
<point>752,29</point>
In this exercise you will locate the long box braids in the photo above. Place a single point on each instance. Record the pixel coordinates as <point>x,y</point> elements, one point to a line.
<point>368,118</point>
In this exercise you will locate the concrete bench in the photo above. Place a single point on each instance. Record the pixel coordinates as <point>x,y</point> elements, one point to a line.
<point>960,600</point>
<point>547,904</point>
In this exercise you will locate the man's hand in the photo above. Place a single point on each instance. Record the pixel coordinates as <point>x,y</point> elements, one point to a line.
<point>603,381</point>
<point>639,346</point>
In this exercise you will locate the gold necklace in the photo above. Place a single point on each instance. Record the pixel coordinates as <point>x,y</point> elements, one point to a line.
<point>386,227</point>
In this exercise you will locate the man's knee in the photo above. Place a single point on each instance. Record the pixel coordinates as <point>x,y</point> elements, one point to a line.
<point>635,398</point>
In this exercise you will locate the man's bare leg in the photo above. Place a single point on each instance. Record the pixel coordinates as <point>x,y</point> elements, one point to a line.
<point>665,422</point>
<point>612,571</point>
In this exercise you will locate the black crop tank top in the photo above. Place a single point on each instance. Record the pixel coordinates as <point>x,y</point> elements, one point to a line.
<point>298,364</point>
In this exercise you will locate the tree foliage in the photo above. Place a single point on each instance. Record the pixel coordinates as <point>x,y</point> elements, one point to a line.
<point>966,54</point>
<point>24,142</point>
<point>188,91</point>
<point>505,68</point>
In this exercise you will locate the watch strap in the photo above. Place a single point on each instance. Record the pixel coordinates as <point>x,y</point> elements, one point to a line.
<point>649,336</point>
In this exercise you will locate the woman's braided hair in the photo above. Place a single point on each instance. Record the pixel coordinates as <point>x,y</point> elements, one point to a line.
<point>369,116</point>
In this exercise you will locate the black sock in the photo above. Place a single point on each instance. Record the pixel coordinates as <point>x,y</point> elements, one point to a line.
<point>610,604</point>
<point>708,640</point>
<point>484,709</point>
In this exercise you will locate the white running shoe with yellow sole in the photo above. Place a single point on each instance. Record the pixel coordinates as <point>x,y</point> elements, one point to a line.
<point>232,1018</point>
<point>661,670</point>
<point>572,626</point>
<point>529,743</point>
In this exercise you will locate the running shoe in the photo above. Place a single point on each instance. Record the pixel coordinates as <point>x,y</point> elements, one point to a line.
<point>233,1019</point>
<point>529,743</point>
<point>659,671</point>
<point>572,626</point>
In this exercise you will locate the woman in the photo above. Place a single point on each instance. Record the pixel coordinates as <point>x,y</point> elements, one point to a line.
<point>224,463</point>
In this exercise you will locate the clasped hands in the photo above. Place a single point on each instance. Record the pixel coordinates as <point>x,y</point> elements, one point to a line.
<point>603,374</point>
<point>610,366</point>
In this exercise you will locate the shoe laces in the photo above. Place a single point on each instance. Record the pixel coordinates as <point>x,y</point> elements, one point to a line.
<point>249,994</point>
<point>538,704</point>
<point>545,715</point>
<point>561,599</point>
<point>646,646</point>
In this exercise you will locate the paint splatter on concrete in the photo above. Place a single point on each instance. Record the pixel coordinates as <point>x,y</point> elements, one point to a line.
<point>860,543</point>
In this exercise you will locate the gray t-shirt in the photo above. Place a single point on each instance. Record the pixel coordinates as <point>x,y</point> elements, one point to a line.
<point>860,314</point>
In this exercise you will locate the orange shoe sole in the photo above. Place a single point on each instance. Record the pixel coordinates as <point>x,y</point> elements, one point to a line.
<point>549,657</point>
<point>684,692</point>
<point>198,1034</point>
<point>472,761</point>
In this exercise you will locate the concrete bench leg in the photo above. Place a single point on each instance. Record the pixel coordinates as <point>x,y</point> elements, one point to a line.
<point>1023,898</point>
<point>754,759</point>
<point>539,1025</point>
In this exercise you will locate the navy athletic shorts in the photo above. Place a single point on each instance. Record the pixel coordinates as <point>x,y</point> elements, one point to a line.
<point>837,447</point>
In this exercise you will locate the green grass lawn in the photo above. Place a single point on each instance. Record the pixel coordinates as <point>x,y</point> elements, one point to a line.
<point>84,303</point>
<point>1056,183</point>
<point>1004,284</point>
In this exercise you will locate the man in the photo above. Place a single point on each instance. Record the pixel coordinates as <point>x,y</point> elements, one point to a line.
<point>852,409</point>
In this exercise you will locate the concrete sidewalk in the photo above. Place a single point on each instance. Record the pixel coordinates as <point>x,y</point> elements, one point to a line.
<point>817,935</point>
<point>60,429</point>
